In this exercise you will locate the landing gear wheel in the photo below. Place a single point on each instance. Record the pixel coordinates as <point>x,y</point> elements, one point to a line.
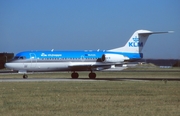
<point>74,75</point>
<point>92,75</point>
<point>25,76</point>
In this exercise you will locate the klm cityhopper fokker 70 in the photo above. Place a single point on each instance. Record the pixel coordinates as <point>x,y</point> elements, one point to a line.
<point>75,61</point>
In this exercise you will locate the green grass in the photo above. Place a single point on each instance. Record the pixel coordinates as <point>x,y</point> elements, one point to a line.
<point>97,98</point>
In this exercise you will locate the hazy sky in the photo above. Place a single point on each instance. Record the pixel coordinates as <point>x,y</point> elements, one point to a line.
<point>88,25</point>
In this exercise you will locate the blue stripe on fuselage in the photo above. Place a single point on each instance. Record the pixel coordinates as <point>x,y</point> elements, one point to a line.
<point>74,54</point>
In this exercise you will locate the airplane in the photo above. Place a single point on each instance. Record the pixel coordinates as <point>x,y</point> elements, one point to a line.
<point>85,60</point>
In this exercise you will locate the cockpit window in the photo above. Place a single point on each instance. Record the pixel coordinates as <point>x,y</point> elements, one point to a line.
<point>22,57</point>
<point>16,57</point>
<point>19,57</point>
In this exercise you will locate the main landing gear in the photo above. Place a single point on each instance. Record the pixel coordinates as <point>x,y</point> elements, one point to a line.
<point>92,75</point>
<point>75,75</point>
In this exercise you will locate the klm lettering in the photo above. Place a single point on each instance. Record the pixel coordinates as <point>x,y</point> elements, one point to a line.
<point>135,44</point>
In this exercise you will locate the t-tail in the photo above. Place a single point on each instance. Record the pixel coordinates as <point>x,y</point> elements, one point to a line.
<point>136,42</point>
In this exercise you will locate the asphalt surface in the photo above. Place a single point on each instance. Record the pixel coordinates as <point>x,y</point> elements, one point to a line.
<point>85,79</point>
<point>41,80</point>
<point>7,71</point>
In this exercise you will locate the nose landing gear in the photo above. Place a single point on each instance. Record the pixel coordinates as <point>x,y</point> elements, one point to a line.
<point>25,76</point>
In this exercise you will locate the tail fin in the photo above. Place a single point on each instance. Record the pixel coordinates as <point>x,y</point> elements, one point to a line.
<point>136,42</point>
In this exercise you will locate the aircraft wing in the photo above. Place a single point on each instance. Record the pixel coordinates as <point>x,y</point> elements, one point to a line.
<point>90,66</point>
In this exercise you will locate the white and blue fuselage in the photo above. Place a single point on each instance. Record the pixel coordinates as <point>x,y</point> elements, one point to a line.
<point>68,60</point>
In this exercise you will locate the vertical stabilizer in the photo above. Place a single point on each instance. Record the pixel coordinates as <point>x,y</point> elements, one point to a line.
<point>136,42</point>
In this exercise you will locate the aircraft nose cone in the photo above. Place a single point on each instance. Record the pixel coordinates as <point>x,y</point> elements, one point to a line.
<point>8,65</point>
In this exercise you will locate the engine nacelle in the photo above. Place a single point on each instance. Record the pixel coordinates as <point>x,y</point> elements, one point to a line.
<point>113,58</point>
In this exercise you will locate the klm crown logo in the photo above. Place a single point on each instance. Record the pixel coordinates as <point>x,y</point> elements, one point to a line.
<point>136,39</point>
<point>135,43</point>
